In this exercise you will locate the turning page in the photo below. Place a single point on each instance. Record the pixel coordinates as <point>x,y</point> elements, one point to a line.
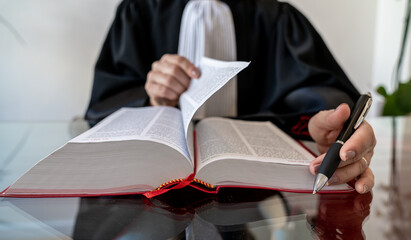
<point>214,75</point>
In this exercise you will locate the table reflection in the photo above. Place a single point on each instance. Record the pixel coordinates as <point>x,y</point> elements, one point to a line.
<point>341,216</point>
<point>232,214</point>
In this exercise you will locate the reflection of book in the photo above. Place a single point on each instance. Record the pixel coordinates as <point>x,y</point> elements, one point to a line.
<point>144,149</point>
<point>186,214</point>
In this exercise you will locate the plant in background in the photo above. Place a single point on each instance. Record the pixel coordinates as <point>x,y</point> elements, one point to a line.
<point>399,102</point>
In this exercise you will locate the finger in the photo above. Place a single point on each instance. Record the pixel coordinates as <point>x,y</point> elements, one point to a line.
<point>331,119</point>
<point>162,102</point>
<point>158,91</point>
<point>325,126</point>
<point>167,81</point>
<point>349,172</point>
<point>185,64</point>
<point>362,157</point>
<point>363,140</point>
<point>315,164</point>
<point>172,70</point>
<point>365,182</point>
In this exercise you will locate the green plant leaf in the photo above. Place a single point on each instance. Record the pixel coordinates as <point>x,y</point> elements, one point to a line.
<point>391,107</point>
<point>381,90</point>
<point>399,102</point>
<point>403,97</point>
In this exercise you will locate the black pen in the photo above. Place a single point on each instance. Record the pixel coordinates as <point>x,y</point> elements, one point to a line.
<point>332,157</point>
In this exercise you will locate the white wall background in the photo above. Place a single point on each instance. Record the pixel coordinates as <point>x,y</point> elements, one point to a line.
<point>365,38</point>
<point>348,28</point>
<point>48,49</point>
<point>46,73</point>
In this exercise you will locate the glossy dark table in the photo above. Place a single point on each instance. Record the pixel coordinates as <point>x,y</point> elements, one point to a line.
<point>189,214</point>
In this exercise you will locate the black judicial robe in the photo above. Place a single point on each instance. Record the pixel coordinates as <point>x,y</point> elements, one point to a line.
<point>292,73</point>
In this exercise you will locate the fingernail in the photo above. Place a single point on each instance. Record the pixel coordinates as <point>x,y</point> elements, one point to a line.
<point>332,180</point>
<point>365,189</point>
<point>349,155</point>
<point>195,73</point>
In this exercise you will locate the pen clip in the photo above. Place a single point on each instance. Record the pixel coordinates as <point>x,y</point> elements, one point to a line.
<point>363,113</point>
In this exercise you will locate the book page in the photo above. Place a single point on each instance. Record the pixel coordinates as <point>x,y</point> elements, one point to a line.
<point>261,141</point>
<point>159,124</point>
<point>116,167</point>
<point>214,75</point>
<point>133,150</point>
<point>256,154</point>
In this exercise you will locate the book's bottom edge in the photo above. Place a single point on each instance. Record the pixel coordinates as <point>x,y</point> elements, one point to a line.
<point>150,194</point>
<point>63,195</point>
<point>327,191</point>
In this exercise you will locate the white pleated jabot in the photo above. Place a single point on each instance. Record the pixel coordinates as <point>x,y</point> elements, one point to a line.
<point>207,29</point>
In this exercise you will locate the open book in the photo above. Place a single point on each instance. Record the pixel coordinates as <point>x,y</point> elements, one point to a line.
<point>151,150</point>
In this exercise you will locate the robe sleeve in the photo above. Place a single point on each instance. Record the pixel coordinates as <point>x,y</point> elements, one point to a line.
<point>120,71</point>
<point>307,78</point>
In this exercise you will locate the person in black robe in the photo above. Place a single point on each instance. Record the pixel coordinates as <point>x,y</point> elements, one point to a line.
<point>292,75</point>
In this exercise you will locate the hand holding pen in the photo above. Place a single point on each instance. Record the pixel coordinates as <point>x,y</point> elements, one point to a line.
<point>355,152</point>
